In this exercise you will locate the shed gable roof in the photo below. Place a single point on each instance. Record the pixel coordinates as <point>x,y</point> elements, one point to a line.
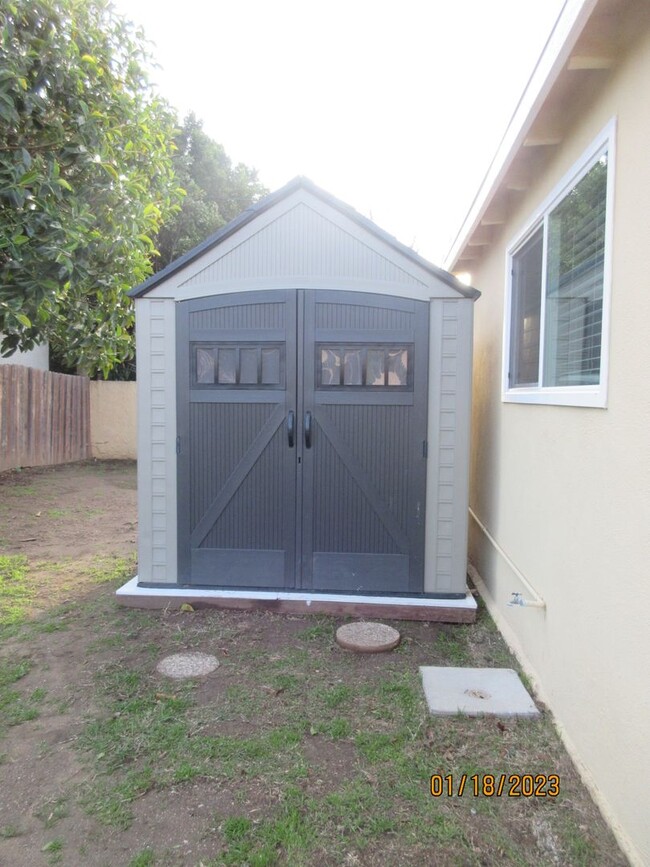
<point>313,235</point>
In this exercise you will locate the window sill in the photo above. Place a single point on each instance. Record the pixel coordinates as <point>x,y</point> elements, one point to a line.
<point>595,397</point>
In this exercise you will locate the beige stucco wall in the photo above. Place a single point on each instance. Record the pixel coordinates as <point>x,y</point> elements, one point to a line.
<point>565,492</point>
<point>113,420</point>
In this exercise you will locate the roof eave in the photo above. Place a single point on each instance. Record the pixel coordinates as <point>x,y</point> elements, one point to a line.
<point>556,52</point>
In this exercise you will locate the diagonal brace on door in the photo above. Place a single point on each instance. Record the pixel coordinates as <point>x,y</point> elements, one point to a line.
<point>237,476</point>
<point>364,482</point>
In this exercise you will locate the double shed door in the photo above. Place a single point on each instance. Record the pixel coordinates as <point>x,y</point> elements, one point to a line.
<point>302,441</point>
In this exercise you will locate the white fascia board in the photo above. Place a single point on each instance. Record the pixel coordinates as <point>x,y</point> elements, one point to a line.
<point>560,44</point>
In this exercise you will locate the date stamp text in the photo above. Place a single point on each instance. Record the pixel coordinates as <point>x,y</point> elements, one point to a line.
<point>495,785</point>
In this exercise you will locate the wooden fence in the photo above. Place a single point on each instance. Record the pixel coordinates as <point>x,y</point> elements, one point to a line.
<point>44,417</point>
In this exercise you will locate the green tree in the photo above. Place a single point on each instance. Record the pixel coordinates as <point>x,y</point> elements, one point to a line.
<point>216,192</point>
<point>86,178</point>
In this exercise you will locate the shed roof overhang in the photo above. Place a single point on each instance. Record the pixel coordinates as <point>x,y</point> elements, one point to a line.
<point>250,214</point>
<point>583,47</point>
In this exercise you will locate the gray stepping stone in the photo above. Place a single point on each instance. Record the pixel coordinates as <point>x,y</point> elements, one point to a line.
<point>180,665</point>
<point>476,692</point>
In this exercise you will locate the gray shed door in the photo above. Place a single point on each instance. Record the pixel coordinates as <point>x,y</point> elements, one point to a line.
<point>302,428</point>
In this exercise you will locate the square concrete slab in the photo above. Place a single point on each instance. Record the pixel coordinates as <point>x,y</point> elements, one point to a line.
<point>476,692</point>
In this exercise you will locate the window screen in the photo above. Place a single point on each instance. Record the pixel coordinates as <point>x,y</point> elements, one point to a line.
<point>574,282</point>
<point>557,287</point>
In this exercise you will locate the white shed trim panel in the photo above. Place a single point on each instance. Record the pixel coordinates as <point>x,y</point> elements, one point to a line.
<point>306,247</point>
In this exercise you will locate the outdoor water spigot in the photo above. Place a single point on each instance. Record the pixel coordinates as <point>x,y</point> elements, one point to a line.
<point>516,599</point>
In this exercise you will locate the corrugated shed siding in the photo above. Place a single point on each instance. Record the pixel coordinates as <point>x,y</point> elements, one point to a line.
<point>302,243</point>
<point>221,434</point>
<point>240,316</point>
<point>450,392</point>
<point>157,471</point>
<point>362,317</point>
<point>378,437</point>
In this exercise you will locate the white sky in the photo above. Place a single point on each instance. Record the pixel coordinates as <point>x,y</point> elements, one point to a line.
<point>395,107</point>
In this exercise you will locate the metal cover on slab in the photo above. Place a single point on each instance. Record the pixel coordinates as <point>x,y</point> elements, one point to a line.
<point>476,692</point>
<point>181,665</point>
<point>366,637</point>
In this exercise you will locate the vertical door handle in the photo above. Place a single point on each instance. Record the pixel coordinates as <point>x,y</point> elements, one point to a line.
<point>307,430</point>
<point>291,428</point>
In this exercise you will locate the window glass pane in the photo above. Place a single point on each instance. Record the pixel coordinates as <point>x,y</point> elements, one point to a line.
<point>574,283</point>
<point>271,366</point>
<point>375,367</point>
<point>330,367</point>
<point>227,366</point>
<point>248,366</point>
<point>204,366</point>
<point>353,367</point>
<point>526,311</point>
<point>397,366</point>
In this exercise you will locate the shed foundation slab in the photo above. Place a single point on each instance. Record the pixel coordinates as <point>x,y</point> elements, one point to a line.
<point>389,607</point>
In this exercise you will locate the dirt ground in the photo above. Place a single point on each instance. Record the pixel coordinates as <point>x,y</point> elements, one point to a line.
<point>288,747</point>
<point>77,510</point>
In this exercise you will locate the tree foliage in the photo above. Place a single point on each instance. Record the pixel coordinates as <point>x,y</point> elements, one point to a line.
<point>86,177</point>
<point>216,191</point>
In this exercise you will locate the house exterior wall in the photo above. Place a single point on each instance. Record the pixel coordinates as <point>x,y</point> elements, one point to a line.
<point>38,357</point>
<point>563,493</point>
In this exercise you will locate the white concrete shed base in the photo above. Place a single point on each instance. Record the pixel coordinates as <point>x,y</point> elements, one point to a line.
<point>391,607</point>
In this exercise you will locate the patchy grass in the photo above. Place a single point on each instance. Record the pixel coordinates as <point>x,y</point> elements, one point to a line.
<point>16,707</point>
<point>16,591</point>
<point>293,752</point>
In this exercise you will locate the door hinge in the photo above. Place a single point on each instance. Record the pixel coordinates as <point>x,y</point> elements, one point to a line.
<point>178,445</point>
<point>425,449</point>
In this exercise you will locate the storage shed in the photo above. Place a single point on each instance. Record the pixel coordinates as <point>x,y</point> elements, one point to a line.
<point>304,397</point>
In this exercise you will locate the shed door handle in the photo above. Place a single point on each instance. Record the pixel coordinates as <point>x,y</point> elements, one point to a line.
<point>291,428</point>
<point>307,430</point>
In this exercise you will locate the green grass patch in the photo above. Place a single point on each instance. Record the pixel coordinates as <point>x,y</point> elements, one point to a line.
<point>53,811</point>
<point>146,858</point>
<point>16,708</point>
<point>16,592</point>
<point>287,837</point>
<point>54,851</point>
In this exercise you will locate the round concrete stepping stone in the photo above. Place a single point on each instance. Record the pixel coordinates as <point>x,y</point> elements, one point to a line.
<point>181,665</point>
<point>366,637</point>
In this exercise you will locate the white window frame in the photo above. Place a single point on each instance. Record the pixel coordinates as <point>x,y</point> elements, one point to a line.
<point>569,395</point>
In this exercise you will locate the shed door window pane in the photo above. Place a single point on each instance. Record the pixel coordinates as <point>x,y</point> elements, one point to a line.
<point>271,366</point>
<point>397,366</point>
<point>248,372</point>
<point>574,282</point>
<point>375,367</point>
<point>526,311</point>
<point>227,366</point>
<point>204,366</point>
<point>330,367</point>
<point>353,367</point>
